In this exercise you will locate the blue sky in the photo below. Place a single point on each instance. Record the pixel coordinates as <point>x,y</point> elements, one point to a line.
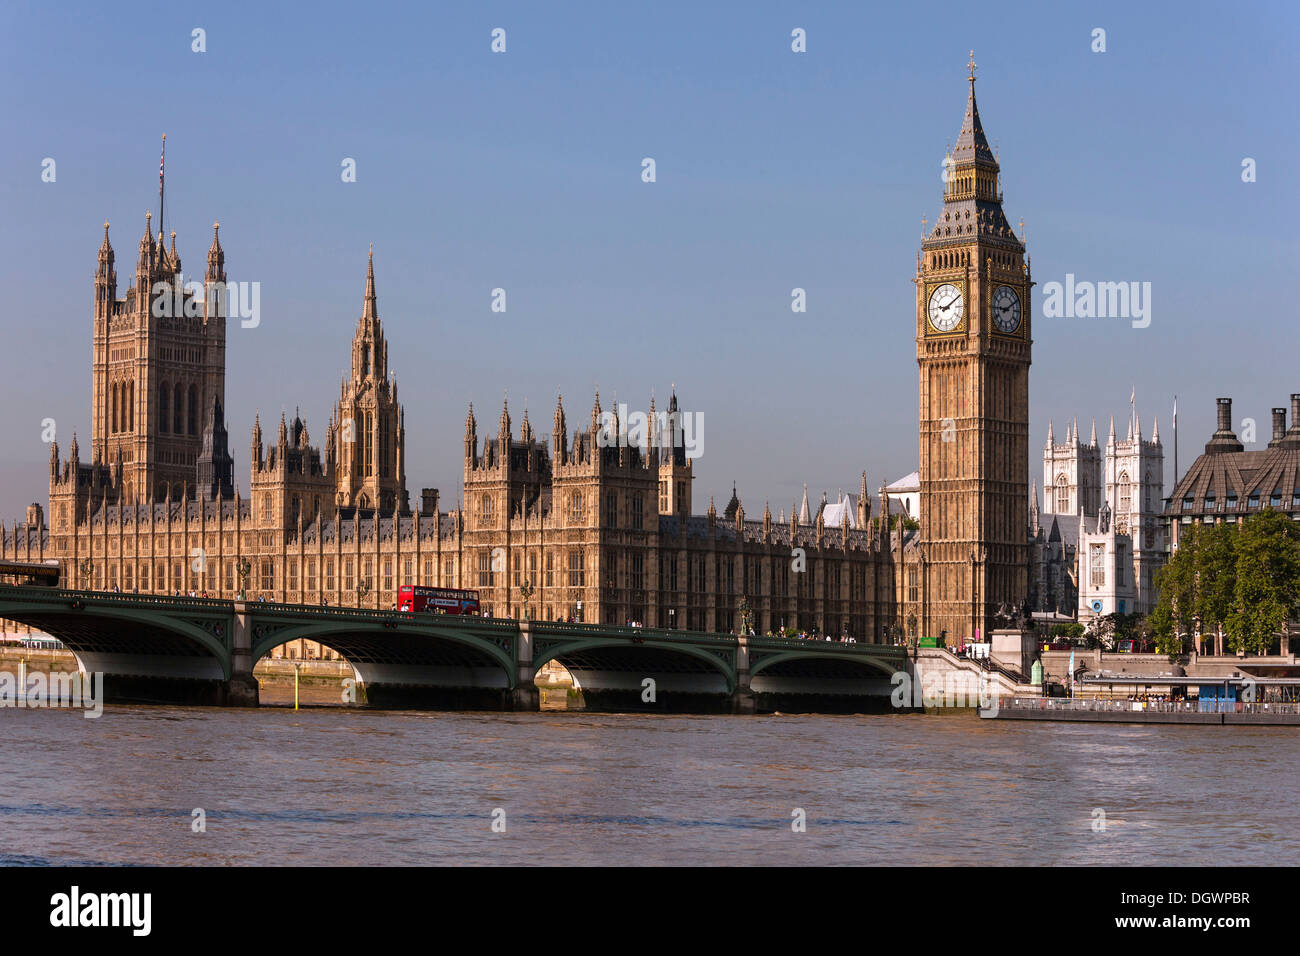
<point>775,170</point>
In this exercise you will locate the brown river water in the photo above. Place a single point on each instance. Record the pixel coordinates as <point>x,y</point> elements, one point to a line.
<point>350,786</point>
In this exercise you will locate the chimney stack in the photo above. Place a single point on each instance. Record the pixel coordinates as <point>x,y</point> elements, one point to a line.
<point>429,501</point>
<point>1279,426</point>
<point>1223,440</point>
<point>1225,414</point>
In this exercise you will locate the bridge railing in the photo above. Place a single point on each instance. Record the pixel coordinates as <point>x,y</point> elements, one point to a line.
<point>807,643</point>
<point>621,630</point>
<point>63,595</point>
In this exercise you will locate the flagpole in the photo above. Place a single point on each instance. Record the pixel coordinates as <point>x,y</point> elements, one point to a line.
<point>161,160</point>
<point>1171,490</point>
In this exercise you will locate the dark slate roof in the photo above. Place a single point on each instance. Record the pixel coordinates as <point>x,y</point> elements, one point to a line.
<point>1062,528</point>
<point>697,526</point>
<point>1242,474</point>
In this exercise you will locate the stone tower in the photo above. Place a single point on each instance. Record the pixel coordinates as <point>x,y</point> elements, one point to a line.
<point>159,362</point>
<point>676,471</point>
<point>973,343</point>
<point>366,441</point>
<point>1072,472</point>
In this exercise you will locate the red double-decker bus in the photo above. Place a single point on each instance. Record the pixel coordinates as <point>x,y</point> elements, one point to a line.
<point>411,597</point>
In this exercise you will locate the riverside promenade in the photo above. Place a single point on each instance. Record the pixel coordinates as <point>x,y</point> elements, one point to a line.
<point>1282,714</point>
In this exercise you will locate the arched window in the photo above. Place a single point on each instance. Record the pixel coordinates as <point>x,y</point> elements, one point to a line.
<point>112,407</point>
<point>178,412</point>
<point>193,408</point>
<point>1062,495</point>
<point>1125,493</point>
<point>163,392</point>
<point>367,444</point>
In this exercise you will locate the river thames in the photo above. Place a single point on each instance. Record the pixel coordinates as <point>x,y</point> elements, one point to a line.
<point>339,786</point>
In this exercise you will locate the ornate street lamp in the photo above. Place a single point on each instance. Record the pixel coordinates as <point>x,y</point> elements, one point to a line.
<point>243,569</point>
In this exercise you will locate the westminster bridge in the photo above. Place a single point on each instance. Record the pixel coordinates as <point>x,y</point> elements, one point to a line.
<point>158,648</point>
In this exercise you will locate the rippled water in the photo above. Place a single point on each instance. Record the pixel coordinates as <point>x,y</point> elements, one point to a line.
<point>335,786</point>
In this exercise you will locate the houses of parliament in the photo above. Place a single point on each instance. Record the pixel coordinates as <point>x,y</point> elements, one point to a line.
<point>563,526</point>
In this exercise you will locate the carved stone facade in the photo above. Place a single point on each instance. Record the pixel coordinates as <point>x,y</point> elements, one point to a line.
<point>574,525</point>
<point>584,526</point>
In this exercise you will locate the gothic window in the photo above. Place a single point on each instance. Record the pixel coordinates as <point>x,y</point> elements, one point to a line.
<point>130,406</point>
<point>636,510</point>
<point>611,510</point>
<point>178,420</point>
<point>550,569</point>
<point>1097,562</point>
<point>485,569</point>
<point>162,408</point>
<point>577,569</point>
<point>266,507</point>
<point>449,572</point>
<point>1062,495</point>
<point>365,360</point>
<point>112,408</point>
<point>485,510</point>
<point>1125,493</point>
<point>575,504</point>
<point>366,445</point>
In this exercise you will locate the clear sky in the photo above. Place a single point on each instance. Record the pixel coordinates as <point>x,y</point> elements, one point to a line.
<point>775,170</point>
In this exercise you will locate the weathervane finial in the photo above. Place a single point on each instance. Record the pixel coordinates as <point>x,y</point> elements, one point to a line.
<point>971,65</point>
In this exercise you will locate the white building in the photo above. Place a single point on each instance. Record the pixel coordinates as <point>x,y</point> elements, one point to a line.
<point>1115,495</point>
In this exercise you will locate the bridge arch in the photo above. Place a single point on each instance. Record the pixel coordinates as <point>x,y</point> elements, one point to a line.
<point>614,663</point>
<point>401,661</point>
<point>874,666</point>
<point>121,634</point>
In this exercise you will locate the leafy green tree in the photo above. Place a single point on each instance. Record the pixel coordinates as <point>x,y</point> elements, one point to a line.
<point>1175,615</point>
<point>1216,560</point>
<point>1267,586</point>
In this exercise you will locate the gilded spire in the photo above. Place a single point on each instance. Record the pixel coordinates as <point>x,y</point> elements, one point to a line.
<point>972,145</point>
<point>369,309</point>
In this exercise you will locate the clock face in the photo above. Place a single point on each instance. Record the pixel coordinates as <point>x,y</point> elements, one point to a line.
<point>1006,309</point>
<point>946,307</point>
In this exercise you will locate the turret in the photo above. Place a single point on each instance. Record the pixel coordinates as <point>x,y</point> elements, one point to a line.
<point>255,455</point>
<point>559,433</point>
<point>471,437</point>
<point>105,278</point>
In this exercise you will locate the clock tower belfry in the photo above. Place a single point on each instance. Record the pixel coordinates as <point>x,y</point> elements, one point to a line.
<point>973,349</point>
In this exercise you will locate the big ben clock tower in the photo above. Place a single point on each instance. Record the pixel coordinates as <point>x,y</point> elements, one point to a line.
<point>973,349</point>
